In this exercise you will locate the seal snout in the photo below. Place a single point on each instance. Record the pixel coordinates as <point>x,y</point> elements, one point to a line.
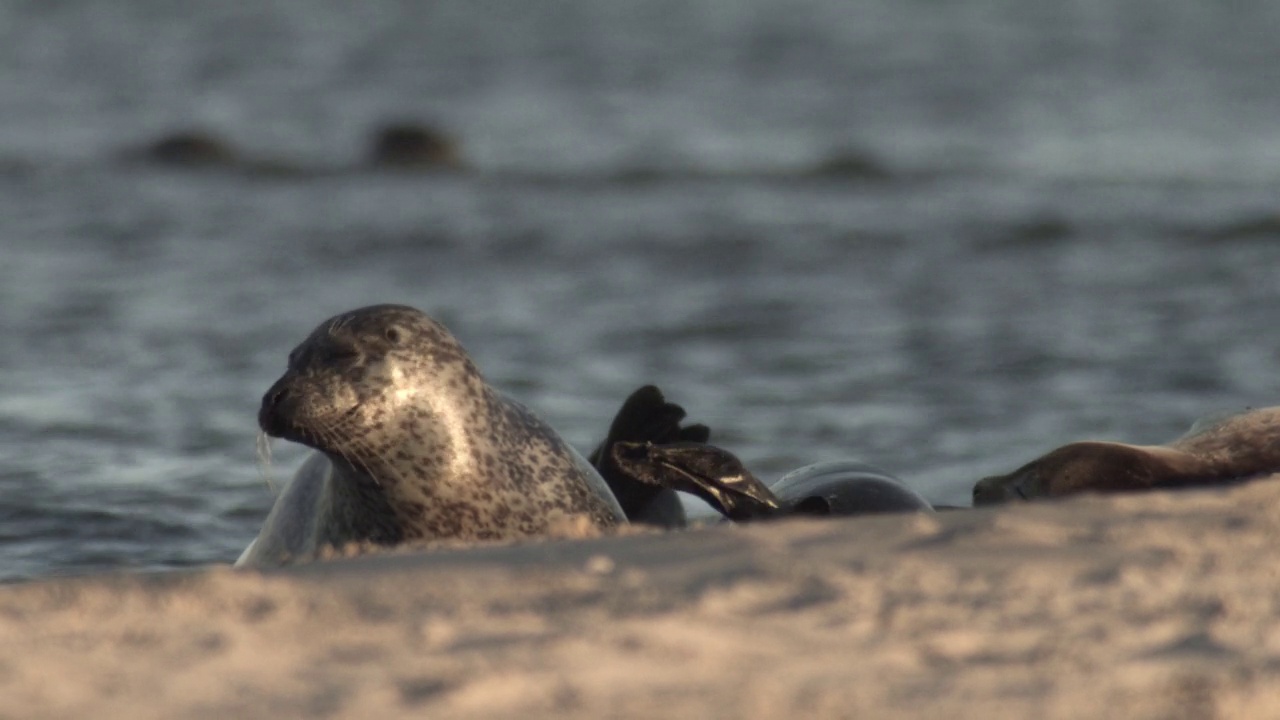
<point>1001,488</point>
<point>988,491</point>
<point>273,415</point>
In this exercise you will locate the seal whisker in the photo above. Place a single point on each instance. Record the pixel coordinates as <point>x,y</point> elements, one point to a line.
<point>366,448</point>
<point>341,324</point>
<point>262,445</point>
<point>356,456</point>
<point>330,433</point>
<point>361,449</point>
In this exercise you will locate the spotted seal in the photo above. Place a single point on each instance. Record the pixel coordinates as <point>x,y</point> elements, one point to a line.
<point>1233,449</point>
<point>412,444</point>
<point>841,487</point>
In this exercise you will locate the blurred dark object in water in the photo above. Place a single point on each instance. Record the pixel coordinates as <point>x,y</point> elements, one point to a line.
<point>190,148</point>
<point>1035,232</point>
<point>1264,227</point>
<point>852,165</point>
<point>412,146</point>
<point>404,146</point>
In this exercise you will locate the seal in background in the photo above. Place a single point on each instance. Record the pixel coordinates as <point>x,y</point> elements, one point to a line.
<point>1220,451</point>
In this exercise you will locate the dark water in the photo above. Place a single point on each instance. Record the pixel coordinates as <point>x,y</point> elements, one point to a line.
<point>1074,233</point>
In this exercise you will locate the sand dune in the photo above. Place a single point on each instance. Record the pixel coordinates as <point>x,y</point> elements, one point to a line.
<point>1163,605</point>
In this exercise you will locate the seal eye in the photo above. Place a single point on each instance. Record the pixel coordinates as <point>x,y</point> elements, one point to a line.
<point>392,334</point>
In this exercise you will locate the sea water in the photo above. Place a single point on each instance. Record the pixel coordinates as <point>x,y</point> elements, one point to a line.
<point>941,238</point>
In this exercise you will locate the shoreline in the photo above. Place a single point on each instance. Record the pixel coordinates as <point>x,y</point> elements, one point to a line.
<point>1155,605</point>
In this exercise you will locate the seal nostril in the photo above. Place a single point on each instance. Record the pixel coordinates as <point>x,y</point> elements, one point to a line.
<point>269,418</point>
<point>274,397</point>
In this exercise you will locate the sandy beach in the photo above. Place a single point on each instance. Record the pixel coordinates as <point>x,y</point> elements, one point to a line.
<point>1163,605</point>
<point>941,238</point>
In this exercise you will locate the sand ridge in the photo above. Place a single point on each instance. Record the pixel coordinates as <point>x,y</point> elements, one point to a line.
<point>1160,605</point>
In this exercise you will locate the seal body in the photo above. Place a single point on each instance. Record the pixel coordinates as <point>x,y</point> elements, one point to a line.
<point>412,444</point>
<point>846,487</point>
<point>1233,449</point>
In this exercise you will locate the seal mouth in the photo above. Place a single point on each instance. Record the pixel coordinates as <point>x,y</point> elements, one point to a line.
<point>987,491</point>
<point>278,418</point>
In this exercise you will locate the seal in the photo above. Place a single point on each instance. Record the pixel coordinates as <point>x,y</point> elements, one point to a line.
<point>1228,450</point>
<point>839,487</point>
<point>412,444</point>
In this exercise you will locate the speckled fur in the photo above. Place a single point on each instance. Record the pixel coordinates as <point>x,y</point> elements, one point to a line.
<point>418,445</point>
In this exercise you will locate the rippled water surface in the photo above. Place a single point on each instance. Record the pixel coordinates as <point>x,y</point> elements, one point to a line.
<point>1055,220</point>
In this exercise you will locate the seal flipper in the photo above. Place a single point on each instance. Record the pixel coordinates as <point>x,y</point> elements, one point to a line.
<point>712,474</point>
<point>646,416</point>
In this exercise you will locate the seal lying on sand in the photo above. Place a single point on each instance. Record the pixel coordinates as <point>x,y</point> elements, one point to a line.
<point>1233,449</point>
<point>718,477</point>
<point>413,445</point>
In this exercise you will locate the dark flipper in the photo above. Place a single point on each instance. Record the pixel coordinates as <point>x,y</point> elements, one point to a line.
<point>646,416</point>
<point>703,470</point>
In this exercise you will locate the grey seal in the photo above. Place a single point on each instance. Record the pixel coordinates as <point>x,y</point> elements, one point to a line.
<point>1227,450</point>
<point>412,444</point>
<point>841,487</point>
